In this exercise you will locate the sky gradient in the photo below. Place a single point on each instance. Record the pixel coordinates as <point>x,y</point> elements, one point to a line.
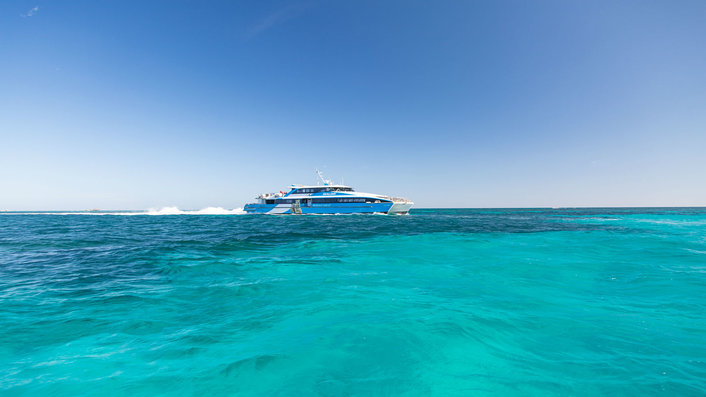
<point>134,105</point>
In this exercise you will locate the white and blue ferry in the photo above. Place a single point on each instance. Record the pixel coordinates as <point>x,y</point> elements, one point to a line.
<point>327,198</point>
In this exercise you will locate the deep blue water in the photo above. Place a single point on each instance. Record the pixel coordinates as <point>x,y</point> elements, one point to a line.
<point>587,302</point>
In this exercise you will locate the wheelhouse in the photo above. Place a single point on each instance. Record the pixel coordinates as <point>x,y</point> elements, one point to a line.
<point>319,189</point>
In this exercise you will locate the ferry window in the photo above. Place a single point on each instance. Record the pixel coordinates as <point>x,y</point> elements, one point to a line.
<point>330,200</point>
<point>350,200</point>
<point>269,201</point>
<point>316,190</point>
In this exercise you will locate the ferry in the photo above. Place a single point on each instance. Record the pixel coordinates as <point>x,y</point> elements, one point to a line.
<point>327,198</point>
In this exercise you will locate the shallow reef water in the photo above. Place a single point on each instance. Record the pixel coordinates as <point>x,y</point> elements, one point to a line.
<point>441,302</point>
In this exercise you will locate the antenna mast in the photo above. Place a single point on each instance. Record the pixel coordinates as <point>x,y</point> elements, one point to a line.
<point>321,176</point>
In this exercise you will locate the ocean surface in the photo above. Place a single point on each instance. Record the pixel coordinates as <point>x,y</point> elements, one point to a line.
<point>534,302</point>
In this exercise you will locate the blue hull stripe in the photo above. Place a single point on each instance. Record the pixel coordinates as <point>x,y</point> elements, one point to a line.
<point>335,208</point>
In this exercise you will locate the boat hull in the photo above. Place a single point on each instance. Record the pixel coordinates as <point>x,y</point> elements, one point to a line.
<point>323,209</point>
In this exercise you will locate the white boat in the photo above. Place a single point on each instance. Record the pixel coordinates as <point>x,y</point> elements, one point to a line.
<point>327,198</point>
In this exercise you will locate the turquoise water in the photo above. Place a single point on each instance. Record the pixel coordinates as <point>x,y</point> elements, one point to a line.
<point>442,302</point>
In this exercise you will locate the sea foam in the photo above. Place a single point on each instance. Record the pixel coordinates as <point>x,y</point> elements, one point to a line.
<point>152,211</point>
<point>177,211</point>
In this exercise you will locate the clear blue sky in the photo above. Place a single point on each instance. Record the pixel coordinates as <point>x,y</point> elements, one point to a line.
<point>130,105</point>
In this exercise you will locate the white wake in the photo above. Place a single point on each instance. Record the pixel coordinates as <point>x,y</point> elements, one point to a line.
<point>204,211</point>
<point>161,211</point>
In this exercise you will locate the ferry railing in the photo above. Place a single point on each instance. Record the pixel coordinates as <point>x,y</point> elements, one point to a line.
<point>398,199</point>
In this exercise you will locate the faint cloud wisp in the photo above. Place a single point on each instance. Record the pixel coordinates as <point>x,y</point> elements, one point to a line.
<point>279,17</point>
<point>30,12</point>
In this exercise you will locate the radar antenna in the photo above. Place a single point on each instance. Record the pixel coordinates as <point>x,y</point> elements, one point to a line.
<point>324,180</point>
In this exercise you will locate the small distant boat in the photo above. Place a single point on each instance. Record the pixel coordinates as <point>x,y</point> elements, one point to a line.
<point>327,198</point>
